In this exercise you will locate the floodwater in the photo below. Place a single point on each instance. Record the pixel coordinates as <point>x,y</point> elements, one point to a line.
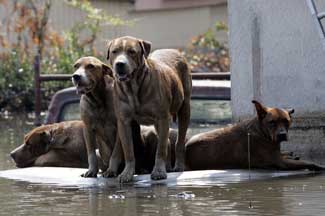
<point>285,196</point>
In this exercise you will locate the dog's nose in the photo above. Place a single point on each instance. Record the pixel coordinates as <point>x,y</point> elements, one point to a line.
<point>76,77</point>
<point>120,65</point>
<point>13,155</point>
<point>282,137</point>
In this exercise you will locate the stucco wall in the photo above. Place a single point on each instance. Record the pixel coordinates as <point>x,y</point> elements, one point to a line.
<point>276,56</point>
<point>168,28</point>
<point>278,59</point>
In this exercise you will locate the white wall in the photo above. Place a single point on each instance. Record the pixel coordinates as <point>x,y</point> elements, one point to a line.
<point>276,56</point>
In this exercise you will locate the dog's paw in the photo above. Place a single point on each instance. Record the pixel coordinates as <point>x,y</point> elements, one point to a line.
<point>179,167</point>
<point>158,174</point>
<point>126,176</point>
<point>109,174</point>
<point>90,174</point>
<point>169,167</point>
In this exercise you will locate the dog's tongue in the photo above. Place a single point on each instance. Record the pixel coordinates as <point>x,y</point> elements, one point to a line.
<point>122,77</point>
<point>78,89</point>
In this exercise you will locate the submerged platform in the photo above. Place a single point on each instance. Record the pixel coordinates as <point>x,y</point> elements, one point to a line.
<point>71,177</point>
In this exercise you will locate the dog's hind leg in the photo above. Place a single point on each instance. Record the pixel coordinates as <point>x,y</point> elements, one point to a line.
<point>183,116</point>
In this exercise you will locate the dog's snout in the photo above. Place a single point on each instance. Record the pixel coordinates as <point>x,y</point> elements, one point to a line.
<point>76,77</point>
<point>282,136</point>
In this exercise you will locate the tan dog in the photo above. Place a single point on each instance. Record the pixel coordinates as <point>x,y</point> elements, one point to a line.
<point>149,90</point>
<point>60,144</point>
<point>227,148</point>
<point>97,110</point>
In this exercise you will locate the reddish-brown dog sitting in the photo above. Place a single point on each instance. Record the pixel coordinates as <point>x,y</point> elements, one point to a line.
<point>227,148</point>
<point>60,144</point>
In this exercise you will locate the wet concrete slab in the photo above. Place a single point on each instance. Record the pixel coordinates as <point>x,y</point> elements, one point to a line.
<point>71,177</point>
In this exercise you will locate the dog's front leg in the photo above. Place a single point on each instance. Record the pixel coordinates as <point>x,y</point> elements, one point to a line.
<point>289,164</point>
<point>91,152</point>
<point>125,134</point>
<point>115,160</point>
<point>159,170</point>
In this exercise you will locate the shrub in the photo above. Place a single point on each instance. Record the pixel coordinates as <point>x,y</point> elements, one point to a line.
<point>206,54</point>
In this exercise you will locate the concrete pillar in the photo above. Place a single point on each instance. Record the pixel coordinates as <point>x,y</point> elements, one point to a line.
<point>277,58</point>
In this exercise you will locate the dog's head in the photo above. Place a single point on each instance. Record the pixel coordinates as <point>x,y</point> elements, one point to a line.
<point>127,55</point>
<point>274,121</point>
<point>89,71</point>
<point>36,143</point>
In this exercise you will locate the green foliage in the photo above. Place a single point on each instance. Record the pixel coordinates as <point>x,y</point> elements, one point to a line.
<point>16,86</point>
<point>206,53</point>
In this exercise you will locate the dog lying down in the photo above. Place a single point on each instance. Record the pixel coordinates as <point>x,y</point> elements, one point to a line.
<point>227,148</point>
<point>62,145</point>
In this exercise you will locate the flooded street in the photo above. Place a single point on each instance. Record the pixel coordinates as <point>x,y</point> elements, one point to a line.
<point>285,196</point>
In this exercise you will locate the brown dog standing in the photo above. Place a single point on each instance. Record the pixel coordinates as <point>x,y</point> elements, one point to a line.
<point>97,111</point>
<point>227,148</point>
<point>150,90</point>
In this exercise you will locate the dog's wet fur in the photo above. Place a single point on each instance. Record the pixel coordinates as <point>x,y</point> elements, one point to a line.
<point>97,111</point>
<point>150,89</point>
<point>227,148</point>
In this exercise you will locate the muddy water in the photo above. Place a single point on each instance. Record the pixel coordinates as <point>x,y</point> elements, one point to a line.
<point>286,196</point>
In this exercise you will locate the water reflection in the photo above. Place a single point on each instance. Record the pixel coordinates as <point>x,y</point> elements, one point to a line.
<point>298,196</point>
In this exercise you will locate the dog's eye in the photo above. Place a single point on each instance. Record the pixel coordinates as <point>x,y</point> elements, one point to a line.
<point>272,123</point>
<point>90,66</point>
<point>114,51</point>
<point>76,66</point>
<point>131,52</point>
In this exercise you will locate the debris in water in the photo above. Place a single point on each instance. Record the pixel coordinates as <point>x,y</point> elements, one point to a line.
<point>184,195</point>
<point>116,196</point>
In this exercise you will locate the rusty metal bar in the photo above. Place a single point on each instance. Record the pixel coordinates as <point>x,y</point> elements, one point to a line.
<point>37,90</point>
<point>55,77</point>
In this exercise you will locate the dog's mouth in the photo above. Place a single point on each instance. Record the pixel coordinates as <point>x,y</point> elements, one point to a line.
<point>122,76</point>
<point>24,164</point>
<point>81,89</point>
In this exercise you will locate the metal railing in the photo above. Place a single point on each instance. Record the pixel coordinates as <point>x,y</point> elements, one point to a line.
<point>318,19</point>
<point>39,78</point>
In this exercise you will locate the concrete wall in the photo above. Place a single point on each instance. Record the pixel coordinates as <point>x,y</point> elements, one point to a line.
<point>168,28</point>
<point>277,58</point>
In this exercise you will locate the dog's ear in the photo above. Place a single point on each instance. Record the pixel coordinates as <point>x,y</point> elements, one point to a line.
<point>146,47</point>
<point>109,44</point>
<point>260,109</point>
<point>291,111</point>
<point>56,140</point>
<point>107,70</point>
<point>45,137</point>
